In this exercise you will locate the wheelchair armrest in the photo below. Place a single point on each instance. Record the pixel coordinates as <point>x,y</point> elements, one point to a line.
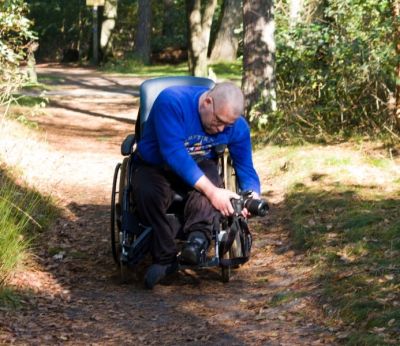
<point>220,149</point>
<point>127,144</point>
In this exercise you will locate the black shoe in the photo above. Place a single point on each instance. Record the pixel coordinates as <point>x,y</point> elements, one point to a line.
<point>156,272</point>
<point>195,248</point>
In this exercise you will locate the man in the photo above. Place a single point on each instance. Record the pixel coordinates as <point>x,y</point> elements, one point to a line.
<point>176,151</point>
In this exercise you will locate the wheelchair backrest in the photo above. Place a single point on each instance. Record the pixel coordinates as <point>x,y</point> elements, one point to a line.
<point>150,89</point>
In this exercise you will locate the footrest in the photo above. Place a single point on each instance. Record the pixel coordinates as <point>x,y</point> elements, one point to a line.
<point>141,247</point>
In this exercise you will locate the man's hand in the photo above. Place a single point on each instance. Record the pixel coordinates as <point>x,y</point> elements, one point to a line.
<point>219,198</point>
<point>245,212</point>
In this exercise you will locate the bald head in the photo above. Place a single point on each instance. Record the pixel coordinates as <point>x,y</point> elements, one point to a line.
<point>230,93</point>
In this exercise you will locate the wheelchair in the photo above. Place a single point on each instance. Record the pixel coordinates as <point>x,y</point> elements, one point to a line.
<point>130,239</point>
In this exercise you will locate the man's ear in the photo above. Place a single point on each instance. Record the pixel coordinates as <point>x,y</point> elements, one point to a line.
<point>208,101</point>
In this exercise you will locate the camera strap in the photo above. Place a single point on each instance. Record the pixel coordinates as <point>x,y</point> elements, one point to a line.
<point>238,227</point>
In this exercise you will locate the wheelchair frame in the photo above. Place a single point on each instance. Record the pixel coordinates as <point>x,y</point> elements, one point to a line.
<point>130,240</point>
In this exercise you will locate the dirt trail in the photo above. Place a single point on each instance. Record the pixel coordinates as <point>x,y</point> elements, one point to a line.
<point>78,299</point>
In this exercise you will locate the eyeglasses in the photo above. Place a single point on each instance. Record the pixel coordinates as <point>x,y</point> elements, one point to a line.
<point>217,120</point>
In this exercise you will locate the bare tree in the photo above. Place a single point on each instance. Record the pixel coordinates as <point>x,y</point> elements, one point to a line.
<point>227,41</point>
<point>107,27</point>
<point>199,27</point>
<point>259,60</point>
<point>143,34</point>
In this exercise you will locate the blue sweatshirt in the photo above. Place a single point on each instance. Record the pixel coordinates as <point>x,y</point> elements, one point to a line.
<point>173,135</point>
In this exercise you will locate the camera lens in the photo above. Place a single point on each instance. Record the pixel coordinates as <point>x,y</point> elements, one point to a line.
<point>257,207</point>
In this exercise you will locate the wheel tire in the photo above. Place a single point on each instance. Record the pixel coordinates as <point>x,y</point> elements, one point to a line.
<point>232,184</point>
<point>115,215</point>
<point>117,207</point>
<point>123,267</point>
<point>122,181</point>
<point>226,270</point>
<point>237,249</point>
<point>124,273</point>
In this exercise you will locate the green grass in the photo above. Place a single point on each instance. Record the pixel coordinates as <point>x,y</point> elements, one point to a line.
<point>228,70</point>
<point>24,214</point>
<point>24,108</point>
<point>343,210</point>
<point>30,101</point>
<point>11,299</point>
<point>47,78</point>
<point>55,250</point>
<point>132,66</point>
<point>378,162</point>
<point>285,298</point>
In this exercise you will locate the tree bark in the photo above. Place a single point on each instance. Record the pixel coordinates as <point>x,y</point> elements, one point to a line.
<point>227,42</point>
<point>397,38</point>
<point>198,35</point>
<point>143,35</point>
<point>107,27</point>
<point>259,57</point>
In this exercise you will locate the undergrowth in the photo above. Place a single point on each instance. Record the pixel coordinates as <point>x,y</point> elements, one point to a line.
<point>342,205</point>
<point>25,213</point>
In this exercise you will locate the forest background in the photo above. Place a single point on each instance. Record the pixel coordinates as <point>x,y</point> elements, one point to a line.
<point>310,69</point>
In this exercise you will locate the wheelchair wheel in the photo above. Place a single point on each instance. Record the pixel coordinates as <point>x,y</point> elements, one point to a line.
<point>237,249</point>
<point>117,204</point>
<point>116,212</point>
<point>122,181</point>
<point>234,252</point>
<point>230,180</point>
<point>226,270</point>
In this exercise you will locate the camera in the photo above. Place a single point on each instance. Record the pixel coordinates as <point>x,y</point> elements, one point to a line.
<point>256,207</point>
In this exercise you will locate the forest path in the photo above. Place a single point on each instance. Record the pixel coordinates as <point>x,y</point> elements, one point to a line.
<point>77,297</point>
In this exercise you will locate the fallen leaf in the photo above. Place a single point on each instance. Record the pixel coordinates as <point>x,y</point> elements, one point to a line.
<point>342,275</point>
<point>296,286</point>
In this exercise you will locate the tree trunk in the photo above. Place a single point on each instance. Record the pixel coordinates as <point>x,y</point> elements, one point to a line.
<point>258,81</point>
<point>397,38</point>
<point>227,42</point>
<point>142,42</point>
<point>107,27</point>
<point>199,35</point>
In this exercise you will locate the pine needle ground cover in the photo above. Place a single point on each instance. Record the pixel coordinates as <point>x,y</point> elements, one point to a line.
<point>342,208</point>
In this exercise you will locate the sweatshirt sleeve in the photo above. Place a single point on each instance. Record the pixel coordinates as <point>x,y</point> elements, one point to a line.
<point>170,131</point>
<point>240,150</point>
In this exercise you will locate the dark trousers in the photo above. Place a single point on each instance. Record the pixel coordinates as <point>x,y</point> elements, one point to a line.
<point>153,190</point>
